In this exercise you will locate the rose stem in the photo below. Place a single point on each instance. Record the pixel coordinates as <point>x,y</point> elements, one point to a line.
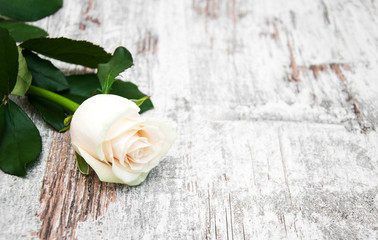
<point>53,97</point>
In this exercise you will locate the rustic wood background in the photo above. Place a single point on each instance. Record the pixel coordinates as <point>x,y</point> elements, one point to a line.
<point>276,107</point>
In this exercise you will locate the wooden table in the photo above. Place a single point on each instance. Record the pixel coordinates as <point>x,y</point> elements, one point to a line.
<point>276,107</point>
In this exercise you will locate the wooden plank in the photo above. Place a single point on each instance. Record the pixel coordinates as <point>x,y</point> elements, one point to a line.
<point>67,196</point>
<point>275,105</point>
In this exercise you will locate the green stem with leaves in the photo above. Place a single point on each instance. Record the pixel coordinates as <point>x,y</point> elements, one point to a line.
<point>54,97</point>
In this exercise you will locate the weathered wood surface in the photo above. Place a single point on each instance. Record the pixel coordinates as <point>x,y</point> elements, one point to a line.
<point>276,107</point>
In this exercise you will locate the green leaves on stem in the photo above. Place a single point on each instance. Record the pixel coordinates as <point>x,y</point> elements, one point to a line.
<point>21,31</point>
<point>52,106</point>
<point>130,91</point>
<point>82,164</point>
<point>81,87</point>
<point>30,10</point>
<point>24,77</point>
<point>45,74</point>
<point>68,50</point>
<point>8,63</point>
<point>107,72</point>
<point>20,142</point>
<point>52,113</point>
<point>23,72</point>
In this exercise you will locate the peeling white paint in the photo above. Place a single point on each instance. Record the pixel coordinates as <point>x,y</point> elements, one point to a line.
<point>258,156</point>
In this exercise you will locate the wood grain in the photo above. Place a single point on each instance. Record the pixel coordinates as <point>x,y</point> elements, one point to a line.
<point>67,196</point>
<point>275,104</point>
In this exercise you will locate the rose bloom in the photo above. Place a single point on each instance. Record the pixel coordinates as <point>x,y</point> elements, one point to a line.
<point>119,144</point>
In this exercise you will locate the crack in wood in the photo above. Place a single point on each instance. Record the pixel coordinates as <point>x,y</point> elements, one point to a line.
<point>85,13</point>
<point>243,231</point>
<point>275,35</point>
<point>233,14</point>
<point>93,20</point>
<point>215,225</point>
<point>253,167</point>
<point>209,213</point>
<point>226,224</point>
<point>68,197</point>
<point>149,44</point>
<point>365,127</point>
<point>324,67</point>
<point>284,223</point>
<point>336,69</point>
<point>232,227</point>
<point>295,72</point>
<point>89,7</point>
<point>325,13</point>
<point>316,69</point>
<point>209,9</point>
<point>283,160</point>
<point>293,19</point>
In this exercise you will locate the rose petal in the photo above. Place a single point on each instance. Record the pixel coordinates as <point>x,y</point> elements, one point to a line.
<point>152,154</point>
<point>139,180</point>
<point>119,143</point>
<point>142,142</point>
<point>103,171</point>
<point>137,167</point>
<point>123,125</point>
<point>94,117</point>
<point>108,152</point>
<point>166,141</point>
<point>152,133</point>
<point>126,175</point>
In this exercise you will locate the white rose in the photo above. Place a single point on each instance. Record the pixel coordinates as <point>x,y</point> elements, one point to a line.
<point>120,146</point>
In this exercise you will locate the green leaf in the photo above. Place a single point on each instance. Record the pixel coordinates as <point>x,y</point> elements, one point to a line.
<point>20,142</point>
<point>140,101</point>
<point>130,91</point>
<point>28,10</point>
<point>107,72</point>
<point>81,87</point>
<point>8,63</point>
<point>67,120</point>
<point>2,119</point>
<point>45,74</point>
<point>84,86</point>
<point>51,112</point>
<point>24,77</point>
<point>82,164</point>
<point>64,129</point>
<point>68,50</point>
<point>21,31</point>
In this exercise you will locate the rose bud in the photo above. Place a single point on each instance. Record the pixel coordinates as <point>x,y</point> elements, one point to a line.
<point>119,144</point>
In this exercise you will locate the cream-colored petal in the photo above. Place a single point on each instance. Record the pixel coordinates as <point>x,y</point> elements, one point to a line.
<point>152,153</point>
<point>103,171</point>
<point>142,142</point>
<point>165,143</point>
<point>123,125</point>
<point>137,167</point>
<point>94,117</point>
<point>119,143</point>
<point>139,180</point>
<point>130,142</point>
<point>108,152</point>
<point>152,133</point>
<point>125,173</point>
